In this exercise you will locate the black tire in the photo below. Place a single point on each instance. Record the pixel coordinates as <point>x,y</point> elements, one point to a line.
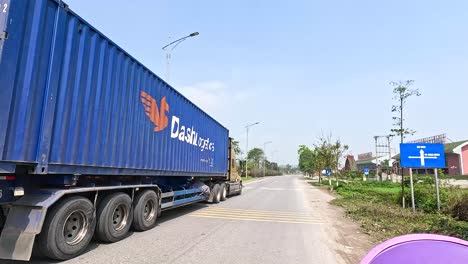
<point>223,190</point>
<point>216,193</point>
<point>68,229</point>
<point>114,217</point>
<point>2,219</point>
<point>145,210</point>
<point>240,188</point>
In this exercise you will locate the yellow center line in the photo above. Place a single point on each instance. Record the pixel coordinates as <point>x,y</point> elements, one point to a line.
<point>259,211</point>
<point>259,219</point>
<point>257,214</point>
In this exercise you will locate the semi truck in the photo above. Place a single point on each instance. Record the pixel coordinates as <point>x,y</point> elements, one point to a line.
<point>92,142</point>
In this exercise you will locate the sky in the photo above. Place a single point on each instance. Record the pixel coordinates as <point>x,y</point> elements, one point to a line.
<point>303,69</point>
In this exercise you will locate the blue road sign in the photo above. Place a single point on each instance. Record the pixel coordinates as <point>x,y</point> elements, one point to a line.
<point>366,171</point>
<point>422,155</point>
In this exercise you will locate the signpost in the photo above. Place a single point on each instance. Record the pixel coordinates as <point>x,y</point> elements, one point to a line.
<point>328,172</point>
<point>422,156</point>
<point>366,173</point>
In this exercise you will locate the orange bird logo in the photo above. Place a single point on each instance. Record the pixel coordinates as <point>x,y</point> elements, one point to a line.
<point>157,116</point>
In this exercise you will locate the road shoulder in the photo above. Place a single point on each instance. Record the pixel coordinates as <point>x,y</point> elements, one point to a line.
<point>345,236</point>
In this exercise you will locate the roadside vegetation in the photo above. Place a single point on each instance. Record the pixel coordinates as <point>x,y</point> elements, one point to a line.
<point>382,207</point>
<point>258,165</point>
<point>376,207</point>
<point>247,179</point>
<point>324,155</point>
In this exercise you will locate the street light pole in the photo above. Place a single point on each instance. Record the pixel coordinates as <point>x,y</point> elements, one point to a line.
<point>264,156</point>
<point>247,145</point>
<point>174,44</point>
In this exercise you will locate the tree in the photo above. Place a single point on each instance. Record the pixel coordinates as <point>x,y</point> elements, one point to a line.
<point>338,151</point>
<point>306,160</point>
<point>330,153</point>
<point>236,148</point>
<point>386,166</point>
<point>287,169</point>
<point>256,155</point>
<point>326,154</point>
<point>401,93</point>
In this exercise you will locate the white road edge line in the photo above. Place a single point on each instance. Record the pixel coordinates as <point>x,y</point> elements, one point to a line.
<point>249,182</point>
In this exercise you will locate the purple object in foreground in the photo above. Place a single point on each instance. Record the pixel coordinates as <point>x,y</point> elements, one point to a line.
<point>419,249</point>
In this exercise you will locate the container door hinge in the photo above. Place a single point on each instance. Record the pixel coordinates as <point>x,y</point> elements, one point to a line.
<point>63,5</point>
<point>3,35</point>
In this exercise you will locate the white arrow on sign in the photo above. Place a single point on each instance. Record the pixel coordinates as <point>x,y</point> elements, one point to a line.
<point>422,157</point>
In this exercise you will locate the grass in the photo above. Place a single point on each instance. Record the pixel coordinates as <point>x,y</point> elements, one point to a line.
<point>248,178</point>
<point>374,205</point>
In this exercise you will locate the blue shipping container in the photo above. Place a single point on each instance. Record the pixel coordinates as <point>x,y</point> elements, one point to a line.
<point>73,102</point>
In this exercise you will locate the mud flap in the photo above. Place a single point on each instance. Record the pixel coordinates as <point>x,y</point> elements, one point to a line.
<point>21,227</point>
<point>24,221</point>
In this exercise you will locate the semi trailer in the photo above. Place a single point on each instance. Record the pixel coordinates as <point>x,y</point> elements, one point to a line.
<point>92,142</point>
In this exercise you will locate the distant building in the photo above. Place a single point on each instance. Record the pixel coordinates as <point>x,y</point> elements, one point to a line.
<point>370,163</point>
<point>350,163</point>
<point>456,159</point>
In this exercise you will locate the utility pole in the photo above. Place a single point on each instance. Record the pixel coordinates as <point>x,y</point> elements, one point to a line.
<point>382,149</point>
<point>389,149</point>
<point>390,164</point>
<point>376,158</point>
<point>402,136</point>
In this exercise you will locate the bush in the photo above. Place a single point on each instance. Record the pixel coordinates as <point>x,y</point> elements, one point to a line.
<point>369,191</point>
<point>376,206</point>
<point>419,180</point>
<point>258,172</point>
<point>353,174</point>
<point>382,184</point>
<point>457,206</point>
<point>386,220</point>
<point>425,197</point>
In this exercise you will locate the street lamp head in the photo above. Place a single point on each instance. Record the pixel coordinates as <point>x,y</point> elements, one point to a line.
<point>253,124</point>
<point>194,34</point>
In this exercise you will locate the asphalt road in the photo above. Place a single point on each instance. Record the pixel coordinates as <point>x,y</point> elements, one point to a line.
<point>275,220</point>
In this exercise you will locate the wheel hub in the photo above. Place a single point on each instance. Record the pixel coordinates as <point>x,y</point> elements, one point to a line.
<point>119,217</point>
<point>75,228</point>
<point>150,211</point>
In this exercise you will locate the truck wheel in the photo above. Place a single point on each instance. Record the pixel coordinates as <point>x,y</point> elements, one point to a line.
<point>216,193</point>
<point>2,219</point>
<point>145,210</point>
<point>114,217</point>
<point>68,229</point>
<point>223,192</point>
<point>240,189</point>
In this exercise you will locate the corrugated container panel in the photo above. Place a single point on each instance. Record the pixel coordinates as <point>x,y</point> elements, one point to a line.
<point>24,60</point>
<point>75,102</point>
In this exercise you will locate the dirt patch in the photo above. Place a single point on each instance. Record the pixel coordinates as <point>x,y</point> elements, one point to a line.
<point>345,235</point>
